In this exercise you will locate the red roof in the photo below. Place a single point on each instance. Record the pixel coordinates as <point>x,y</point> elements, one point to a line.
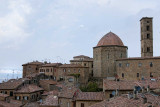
<point>29,89</point>
<point>3,95</point>
<point>129,85</point>
<point>110,39</point>
<point>50,100</point>
<point>124,101</point>
<point>97,96</point>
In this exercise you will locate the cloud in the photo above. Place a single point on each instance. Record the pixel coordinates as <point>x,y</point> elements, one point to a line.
<point>13,25</point>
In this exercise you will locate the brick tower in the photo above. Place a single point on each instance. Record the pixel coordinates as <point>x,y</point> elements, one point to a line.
<point>146,37</point>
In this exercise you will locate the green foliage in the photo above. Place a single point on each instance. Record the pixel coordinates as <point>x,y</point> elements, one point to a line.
<point>75,75</point>
<point>91,87</point>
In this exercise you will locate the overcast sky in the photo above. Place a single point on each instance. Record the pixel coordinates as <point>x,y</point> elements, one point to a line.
<point>57,30</point>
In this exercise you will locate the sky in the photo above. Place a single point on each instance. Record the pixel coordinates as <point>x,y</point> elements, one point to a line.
<point>57,30</point>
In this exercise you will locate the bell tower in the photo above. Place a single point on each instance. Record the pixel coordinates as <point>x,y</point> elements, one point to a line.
<point>146,37</point>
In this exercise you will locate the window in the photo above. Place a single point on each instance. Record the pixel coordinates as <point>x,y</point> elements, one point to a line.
<point>122,75</point>
<point>64,70</point>
<point>11,93</point>
<point>140,64</point>
<point>151,64</point>
<point>121,55</point>
<point>148,49</point>
<point>147,27</point>
<point>137,74</point>
<point>25,98</point>
<point>127,64</point>
<point>147,21</point>
<point>120,65</point>
<point>82,104</point>
<point>70,80</point>
<point>47,70</point>
<point>148,36</point>
<point>79,70</point>
<point>85,64</point>
<point>51,70</point>
<point>36,68</point>
<point>110,95</point>
<point>69,70</point>
<point>5,92</point>
<point>68,105</point>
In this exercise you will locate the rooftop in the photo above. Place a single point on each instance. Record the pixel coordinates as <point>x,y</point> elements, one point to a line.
<point>97,96</point>
<point>72,66</point>
<point>13,83</point>
<point>110,39</point>
<point>30,88</point>
<point>50,100</point>
<point>124,101</point>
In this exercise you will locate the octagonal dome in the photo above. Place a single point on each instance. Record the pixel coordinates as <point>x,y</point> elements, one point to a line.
<point>110,39</point>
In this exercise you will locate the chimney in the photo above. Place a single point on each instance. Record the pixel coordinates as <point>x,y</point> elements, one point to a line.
<point>116,92</point>
<point>129,95</point>
<point>135,93</point>
<point>143,89</point>
<point>148,89</point>
<point>144,100</point>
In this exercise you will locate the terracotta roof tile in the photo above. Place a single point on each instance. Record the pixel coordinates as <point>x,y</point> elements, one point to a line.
<point>48,82</point>
<point>129,85</point>
<point>98,96</point>
<point>110,39</point>
<point>54,92</point>
<point>34,63</point>
<point>50,100</point>
<point>124,101</point>
<point>3,95</point>
<point>72,66</point>
<point>29,89</point>
<point>13,83</point>
<point>68,92</point>
<point>52,65</point>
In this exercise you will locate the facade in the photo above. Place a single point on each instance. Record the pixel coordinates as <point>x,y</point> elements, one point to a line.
<point>28,93</point>
<point>31,67</point>
<point>138,68</point>
<point>84,61</point>
<point>79,71</point>
<point>50,69</point>
<point>108,49</point>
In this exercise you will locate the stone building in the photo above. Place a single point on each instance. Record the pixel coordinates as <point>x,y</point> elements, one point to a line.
<point>28,93</point>
<point>111,59</point>
<point>79,71</point>
<point>12,85</point>
<point>84,61</point>
<point>108,49</point>
<point>146,37</point>
<point>50,69</point>
<point>86,99</point>
<point>31,67</point>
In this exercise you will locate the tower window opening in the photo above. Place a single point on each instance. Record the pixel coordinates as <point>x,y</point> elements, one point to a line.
<point>147,28</point>
<point>151,75</point>
<point>148,49</point>
<point>148,36</point>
